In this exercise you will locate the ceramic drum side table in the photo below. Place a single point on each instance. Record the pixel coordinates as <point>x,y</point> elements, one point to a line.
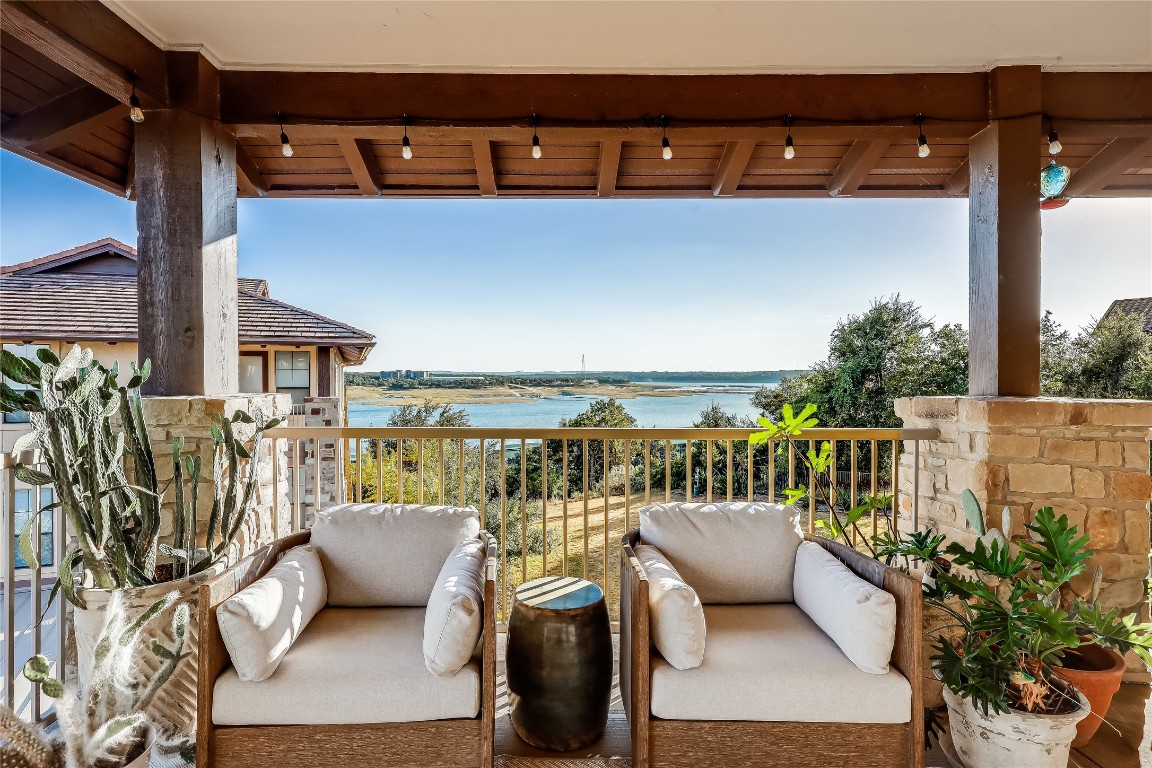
<point>559,663</point>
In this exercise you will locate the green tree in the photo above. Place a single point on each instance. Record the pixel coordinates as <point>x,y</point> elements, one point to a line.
<point>1111,358</point>
<point>1056,362</point>
<point>890,351</point>
<point>429,414</point>
<point>601,413</point>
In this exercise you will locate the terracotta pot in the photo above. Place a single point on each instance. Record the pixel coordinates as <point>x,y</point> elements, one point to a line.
<point>938,623</point>
<point>1097,673</point>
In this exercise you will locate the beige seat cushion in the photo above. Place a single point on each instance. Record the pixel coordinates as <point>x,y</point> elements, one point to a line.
<point>859,617</point>
<point>377,555</point>
<point>675,611</point>
<point>260,623</point>
<point>351,665</point>
<point>729,552</point>
<point>455,616</point>
<point>771,663</point>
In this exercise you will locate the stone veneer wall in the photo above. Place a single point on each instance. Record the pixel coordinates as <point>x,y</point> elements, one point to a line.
<point>1087,459</point>
<point>323,458</point>
<point>191,418</point>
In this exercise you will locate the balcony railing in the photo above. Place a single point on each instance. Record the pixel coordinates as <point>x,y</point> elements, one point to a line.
<point>553,502</point>
<point>28,626</point>
<point>564,520</point>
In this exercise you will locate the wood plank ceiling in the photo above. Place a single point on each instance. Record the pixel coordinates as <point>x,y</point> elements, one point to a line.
<point>73,120</point>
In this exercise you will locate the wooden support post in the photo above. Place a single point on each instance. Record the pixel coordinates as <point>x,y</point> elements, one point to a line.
<point>1004,240</point>
<point>185,180</point>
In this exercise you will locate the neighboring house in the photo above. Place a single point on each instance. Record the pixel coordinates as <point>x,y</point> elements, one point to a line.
<point>1141,307</point>
<point>87,296</point>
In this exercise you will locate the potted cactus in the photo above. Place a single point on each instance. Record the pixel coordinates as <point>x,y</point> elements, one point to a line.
<point>1007,704</point>
<point>104,722</point>
<point>90,434</point>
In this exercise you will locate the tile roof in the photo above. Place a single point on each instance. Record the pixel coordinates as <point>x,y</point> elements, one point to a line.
<point>88,307</point>
<point>1141,307</point>
<point>80,252</point>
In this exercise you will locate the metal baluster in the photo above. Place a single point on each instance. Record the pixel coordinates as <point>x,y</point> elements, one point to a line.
<point>420,471</point>
<point>584,485</point>
<point>544,501</point>
<point>564,472</point>
<point>523,510</point>
<point>400,470</point>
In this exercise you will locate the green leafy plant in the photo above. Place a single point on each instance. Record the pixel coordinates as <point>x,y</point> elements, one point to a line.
<point>1017,623</point>
<point>105,476</point>
<point>820,463</point>
<point>103,722</point>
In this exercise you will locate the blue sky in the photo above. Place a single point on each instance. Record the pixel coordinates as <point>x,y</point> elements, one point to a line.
<point>632,284</point>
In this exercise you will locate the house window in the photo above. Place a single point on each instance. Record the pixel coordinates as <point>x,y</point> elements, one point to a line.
<point>23,510</point>
<point>27,351</point>
<point>293,374</point>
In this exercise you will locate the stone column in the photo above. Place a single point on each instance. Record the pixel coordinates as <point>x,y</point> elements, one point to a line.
<point>1087,459</point>
<point>191,418</point>
<point>323,459</point>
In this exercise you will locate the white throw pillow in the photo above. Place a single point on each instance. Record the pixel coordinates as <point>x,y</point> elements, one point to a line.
<point>387,555</point>
<point>260,623</point>
<point>676,613</point>
<point>858,616</point>
<point>730,552</point>
<point>455,616</point>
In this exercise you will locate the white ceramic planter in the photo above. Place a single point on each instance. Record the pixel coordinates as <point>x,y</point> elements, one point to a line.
<point>174,708</point>
<point>1016,739</point>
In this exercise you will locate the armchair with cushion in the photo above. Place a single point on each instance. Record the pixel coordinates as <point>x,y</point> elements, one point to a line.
<point>367,640</point>
<point>742,643</point>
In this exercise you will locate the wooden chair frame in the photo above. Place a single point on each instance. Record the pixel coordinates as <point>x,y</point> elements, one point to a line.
<point>460,743</point>
<point>658,743</point>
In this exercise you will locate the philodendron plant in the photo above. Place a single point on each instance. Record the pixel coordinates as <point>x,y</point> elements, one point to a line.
<point>105,475</point>
<point>1018,616</point>
<point>103,722</point>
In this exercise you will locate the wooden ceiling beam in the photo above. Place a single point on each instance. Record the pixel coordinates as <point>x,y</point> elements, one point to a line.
<point>94,44</point>
<point>249,179</point>
<point>958,183</point>
<point>608,167</point>
<point>66,117</point>
<point>485,167</point>
<point>890,99</point>
<point>732,165</point>
<point>860,159</point>
<point>1102,168</point>
<point>361,162</point>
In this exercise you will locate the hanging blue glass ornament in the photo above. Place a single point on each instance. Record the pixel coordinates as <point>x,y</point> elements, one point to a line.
<point>1053,179</point>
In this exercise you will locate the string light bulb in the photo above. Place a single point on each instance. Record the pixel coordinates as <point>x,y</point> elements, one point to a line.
<point>537,152</point>
<point>789,145</point>
<point>1054,145</point>
<point>285,146</point>
<point>665,145</point>
<point>406,146</point>
<point>922,148</point>
<point>134,110</point>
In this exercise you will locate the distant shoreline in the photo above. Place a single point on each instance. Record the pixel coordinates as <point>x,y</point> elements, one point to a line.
<point>503,394</point>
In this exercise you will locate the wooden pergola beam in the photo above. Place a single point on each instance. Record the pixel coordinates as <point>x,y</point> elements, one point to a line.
<point>1103,167</point>
<point>485,167</point>
<point>361,162</point>
<point>731,168</point>
<point>861,158</point>
<point>91,42</point>
<point>608,167</point>
<point>248,176</point>
<point>56,122</point>
<point>957,184</point>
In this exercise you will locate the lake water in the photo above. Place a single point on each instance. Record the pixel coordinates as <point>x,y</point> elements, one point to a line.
<point>660,412</point>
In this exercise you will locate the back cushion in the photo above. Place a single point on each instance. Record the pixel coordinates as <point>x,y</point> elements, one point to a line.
<point>388,554</point>
<point>732,552</point>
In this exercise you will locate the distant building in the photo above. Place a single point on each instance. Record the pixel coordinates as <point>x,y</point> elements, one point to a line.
<point>87,296</point>
<point>1141,307</point>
